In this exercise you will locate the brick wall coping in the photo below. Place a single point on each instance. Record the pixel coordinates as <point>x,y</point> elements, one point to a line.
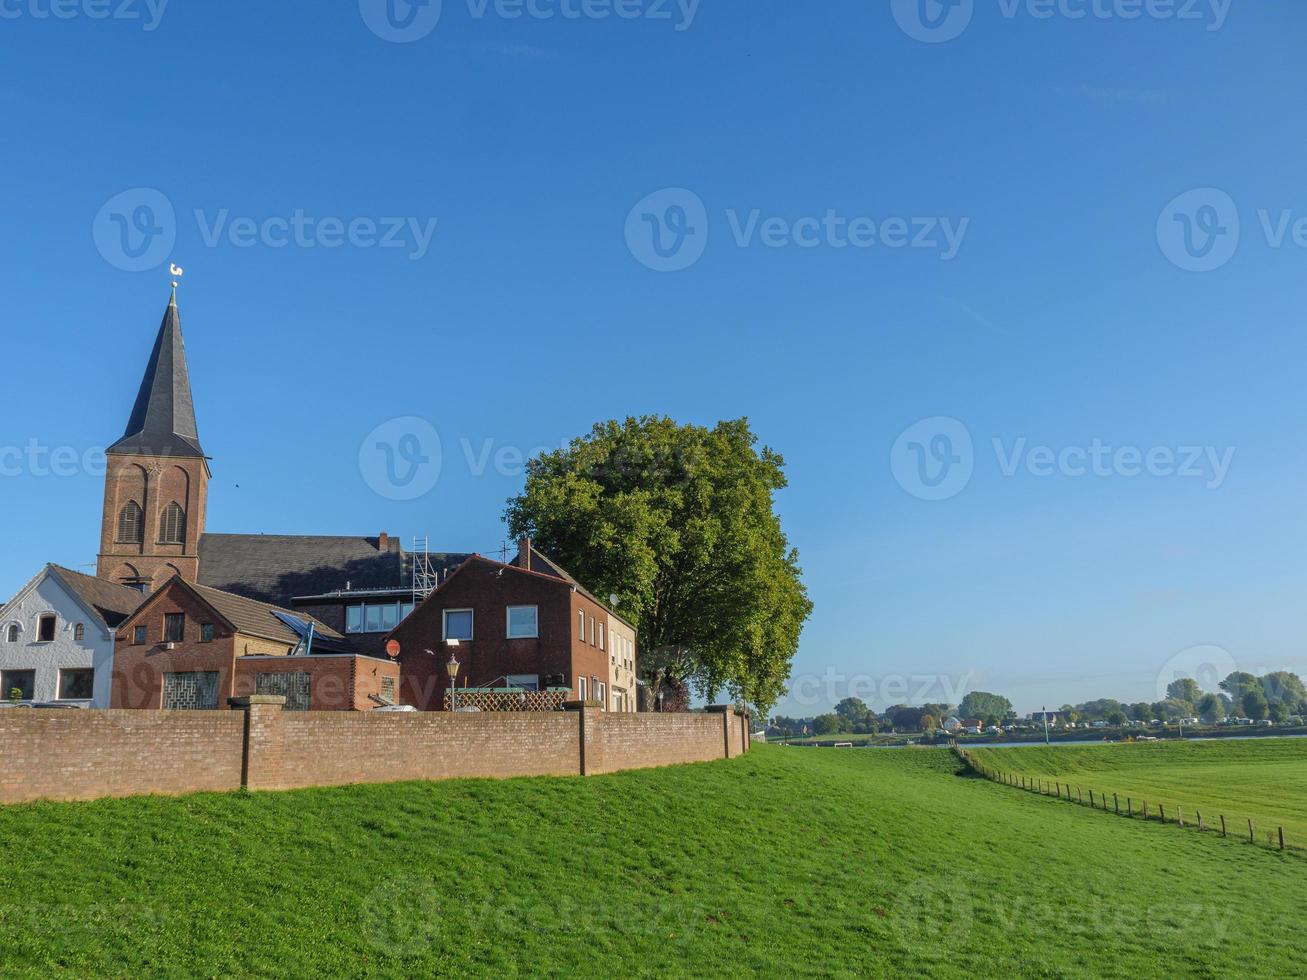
<point>246,700</point>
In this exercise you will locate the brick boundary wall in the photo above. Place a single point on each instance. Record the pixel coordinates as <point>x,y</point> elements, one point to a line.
<point>85,755</point>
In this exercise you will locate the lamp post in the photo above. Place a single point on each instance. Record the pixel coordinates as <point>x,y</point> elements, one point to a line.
<point>452,668</point>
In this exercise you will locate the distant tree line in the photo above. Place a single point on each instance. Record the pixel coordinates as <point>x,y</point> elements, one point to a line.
<point>1276,696</point>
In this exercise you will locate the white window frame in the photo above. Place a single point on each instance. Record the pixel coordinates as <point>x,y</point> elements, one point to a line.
<point>508,624</point>
<point>444,624</point>
<point>601,636</point>
<point>581,688</point>
<point>580,614</point>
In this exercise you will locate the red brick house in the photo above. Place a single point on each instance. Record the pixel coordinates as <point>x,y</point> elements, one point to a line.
<point>526,625</point>
<point>190,646</point>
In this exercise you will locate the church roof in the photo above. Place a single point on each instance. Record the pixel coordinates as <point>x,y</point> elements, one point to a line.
<point>111,601</point>
<point>163,418</point>
<point>278,568</point>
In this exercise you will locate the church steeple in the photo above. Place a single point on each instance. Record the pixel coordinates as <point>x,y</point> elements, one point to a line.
<point>163,419</point>
<point>156,484</point>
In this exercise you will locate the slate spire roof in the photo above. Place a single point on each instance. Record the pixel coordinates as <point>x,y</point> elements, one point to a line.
<point>163,419</point>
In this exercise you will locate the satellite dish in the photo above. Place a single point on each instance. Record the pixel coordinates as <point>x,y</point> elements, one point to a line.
<point>612,600</point>
<point>392,649</point>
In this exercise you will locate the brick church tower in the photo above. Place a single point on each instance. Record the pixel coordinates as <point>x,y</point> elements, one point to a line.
<point>157,481</point>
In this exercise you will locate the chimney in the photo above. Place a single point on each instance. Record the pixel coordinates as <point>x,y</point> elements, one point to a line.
<point>383,542</point>
<point>524,552</point>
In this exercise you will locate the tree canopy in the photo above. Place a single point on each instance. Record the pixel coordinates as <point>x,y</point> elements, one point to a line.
<point>985,706</point>
<point>678,522</point>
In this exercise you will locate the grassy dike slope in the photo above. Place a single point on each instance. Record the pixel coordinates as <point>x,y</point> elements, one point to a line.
<point>788,862</point>
<point>1262,778</point>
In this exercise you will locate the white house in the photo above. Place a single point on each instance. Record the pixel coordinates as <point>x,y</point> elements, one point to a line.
<point>57,635</point>
<point>951,724</point>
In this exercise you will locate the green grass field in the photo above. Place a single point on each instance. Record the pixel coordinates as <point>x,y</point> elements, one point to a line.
<point>1261,779</point>
<point>787,862</point>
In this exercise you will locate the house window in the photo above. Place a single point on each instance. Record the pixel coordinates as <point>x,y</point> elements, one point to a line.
<point>523,622</point>
<point>295,686</point>
<point>580,688</point>
<point>76,685</point>
<point>79,632</point>
<point>375,617</point>
<point>592,631</point>
<point>174,628</point>
<point>601,636</point>
<point>131,524</point>
<point>601,693</point>
<point>191,690</point>
<point>172,526</point>
<point>527,682</point>
<point>580,622</point>
<point>140,635</point>
<point>45,629</point>
<point>18,685</point>
<point>206,632</point>
<point>11,634</point>
<point>458,624</point>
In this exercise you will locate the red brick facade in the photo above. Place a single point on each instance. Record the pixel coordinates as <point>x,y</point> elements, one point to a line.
<point>152,483</point>
<point>488,588</point>
<point>337,682</point>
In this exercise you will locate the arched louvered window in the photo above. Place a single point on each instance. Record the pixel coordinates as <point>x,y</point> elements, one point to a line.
<point>79,632</point>
<point>172,528</point>
<point>131,524</point>
<point>11,634</point>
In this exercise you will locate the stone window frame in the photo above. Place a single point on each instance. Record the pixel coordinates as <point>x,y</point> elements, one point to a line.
<point>44,620</point>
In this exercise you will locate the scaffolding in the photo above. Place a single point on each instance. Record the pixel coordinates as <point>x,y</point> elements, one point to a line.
<point>425,576</point>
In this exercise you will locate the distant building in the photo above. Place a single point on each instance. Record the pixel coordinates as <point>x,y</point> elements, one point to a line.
<point>57,637</point>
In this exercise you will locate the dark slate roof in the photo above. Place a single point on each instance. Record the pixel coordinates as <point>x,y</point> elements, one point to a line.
<point>278,568</point>
<point>113,602</point>
<point>163,418</point>
<point>255,618</point>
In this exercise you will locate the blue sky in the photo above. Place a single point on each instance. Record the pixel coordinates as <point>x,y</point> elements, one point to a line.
<point>1062,309</point>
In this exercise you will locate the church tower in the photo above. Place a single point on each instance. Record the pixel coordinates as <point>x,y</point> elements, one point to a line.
<point>157,480</point>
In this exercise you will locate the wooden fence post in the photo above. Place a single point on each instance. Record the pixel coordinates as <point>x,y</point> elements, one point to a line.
<point>1145,809</point>
<point>1161,808</point>
<point>1116,803</point>
<point>1200,822</point>
<point>1130,807</point>
<point>1091,799</point>
<point>1179,813</point>
<point>1252,838</point>
<point>1282,838</point>
<point>1223,833</point>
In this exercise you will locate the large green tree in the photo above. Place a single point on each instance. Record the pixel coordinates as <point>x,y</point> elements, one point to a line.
<point>983,705</point>
<point>1184,689</point>
<point>679,523</point>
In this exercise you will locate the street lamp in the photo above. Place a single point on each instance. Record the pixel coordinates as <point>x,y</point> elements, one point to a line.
<point>452,668</point>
